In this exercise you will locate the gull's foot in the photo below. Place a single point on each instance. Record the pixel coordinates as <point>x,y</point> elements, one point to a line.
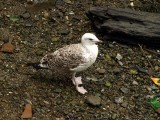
<point>77,81</point>
<point>81,90</point>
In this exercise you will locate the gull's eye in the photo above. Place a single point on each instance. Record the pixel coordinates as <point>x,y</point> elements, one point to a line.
<point>90,39</point>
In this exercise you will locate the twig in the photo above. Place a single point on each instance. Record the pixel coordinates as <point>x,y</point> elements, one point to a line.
<point>145,56</point>
<point>153,51</point>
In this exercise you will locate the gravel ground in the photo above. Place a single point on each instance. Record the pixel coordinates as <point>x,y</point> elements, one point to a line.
<point>118,89</point>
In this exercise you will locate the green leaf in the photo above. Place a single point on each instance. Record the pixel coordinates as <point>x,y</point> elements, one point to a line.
<point>14,18</point>
<point>155,103</point>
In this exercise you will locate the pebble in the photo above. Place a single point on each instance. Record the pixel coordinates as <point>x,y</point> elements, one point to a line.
<point>118,100</point>
<point>133,72</point>
<point>153,87</point>
<point>107,84</point>
<point>124,90</point>
<point>119,56</point>
<point>1,43</point>
<point>64,32</point>
<point>114,116</point>
<point>124,104</point>
<point>26,15</point>
<point>28,24</point>
<point>93,78</point>
<point>94,100</point>
<point>57,90</point>
<point>135,82</point>
<point>101,71</point>
<point>110,45</point>
<point>116,70</point>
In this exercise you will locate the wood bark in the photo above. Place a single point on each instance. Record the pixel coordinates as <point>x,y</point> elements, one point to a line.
<point>126,25</point>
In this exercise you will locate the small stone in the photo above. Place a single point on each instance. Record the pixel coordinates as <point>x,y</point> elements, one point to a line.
<point>1,43</point>
<point>54,39</point>
<point>124,90</point>
<point>118,100</point>
<point>114,116</point>
<point>116,70</point>
<point>68,1</point>
<point>28,24</point>
<point>119,56</point>
<point>46,102</point>
<point>46,14</point>
<point>93,78</point>
<point>135,82</point>
<point>107,84</point>
<point>153,87</point>
<point>124,104</point>
<point>156,68</point>
<point>110,45</point>
<point>64,32</point>
<point>26,15</point>
<point>120,63</point>
<point>57,90</point>
<point>133,72</point>
<point>101,71</point>
<point>39,52</point>
<point>94,100</point>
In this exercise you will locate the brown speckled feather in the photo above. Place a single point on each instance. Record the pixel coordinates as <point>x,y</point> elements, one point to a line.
<point>65,58</point>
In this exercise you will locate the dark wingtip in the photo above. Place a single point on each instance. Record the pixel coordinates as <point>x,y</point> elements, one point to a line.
<point>34,65</point>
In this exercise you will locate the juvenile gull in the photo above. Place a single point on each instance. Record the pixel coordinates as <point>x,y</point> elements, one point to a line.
<point>73,58</point>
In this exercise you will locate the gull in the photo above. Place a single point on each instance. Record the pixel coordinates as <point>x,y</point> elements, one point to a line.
<point>73,58</point>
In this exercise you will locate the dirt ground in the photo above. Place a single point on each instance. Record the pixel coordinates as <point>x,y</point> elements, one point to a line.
<point>42,26</point>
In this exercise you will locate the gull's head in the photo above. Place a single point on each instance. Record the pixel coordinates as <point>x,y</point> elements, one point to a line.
<point>89,39</point>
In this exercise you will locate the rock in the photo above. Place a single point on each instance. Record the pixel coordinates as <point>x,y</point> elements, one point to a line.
<point>116,70</point>
<point>1,43</point>
<point>46,14</point>
<point>27,111</point>
<point>64,32</point>
<point>93,78</point>
<point>39,52</point>
<point>124,90</point>
<point>120,63</point>
<point>29,24</point>
<point>110,45</point>
<point>94,100</point>
<point>135,82</point>
<point>114,116</point>
<point>119,56</point>
<point>118,100</point>
<point>57,90</point>
<point>107,84</point>
<point>26,15</point>
<point>124,104</point>
<point>133,72</point>
<point>68,1</point>
<point>101,71</point>
<point>54,39</point>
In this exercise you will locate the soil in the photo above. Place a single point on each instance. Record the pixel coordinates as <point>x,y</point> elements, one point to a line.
<point>121,84</point>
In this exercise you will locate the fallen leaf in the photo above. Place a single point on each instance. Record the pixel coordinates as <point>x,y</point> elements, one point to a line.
<point>155,103</point>
<point>156,80</point>
<point>14,18</point>
<point>8,47</point>
<point>27,113</point>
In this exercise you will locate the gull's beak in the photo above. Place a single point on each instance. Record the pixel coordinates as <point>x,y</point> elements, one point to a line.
<point>99,41</point>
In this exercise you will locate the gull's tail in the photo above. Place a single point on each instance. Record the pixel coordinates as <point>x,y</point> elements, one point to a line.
<point>36,65</point>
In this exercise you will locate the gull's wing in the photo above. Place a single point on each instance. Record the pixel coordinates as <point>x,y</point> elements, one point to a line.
<point>67,57</point>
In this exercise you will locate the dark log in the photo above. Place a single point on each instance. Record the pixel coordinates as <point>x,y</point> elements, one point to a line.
<point>126,25</point>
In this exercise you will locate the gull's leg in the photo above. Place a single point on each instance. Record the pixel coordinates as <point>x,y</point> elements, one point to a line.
<point>73,78</point>
<point>77,81</point>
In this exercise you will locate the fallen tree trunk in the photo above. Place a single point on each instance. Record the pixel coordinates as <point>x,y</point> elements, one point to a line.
<point>126,25</point>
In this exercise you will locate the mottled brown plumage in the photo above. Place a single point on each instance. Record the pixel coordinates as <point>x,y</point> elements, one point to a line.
<point>72,59</point>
